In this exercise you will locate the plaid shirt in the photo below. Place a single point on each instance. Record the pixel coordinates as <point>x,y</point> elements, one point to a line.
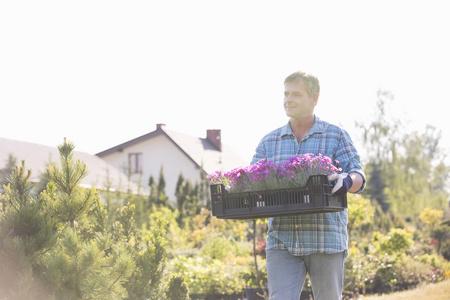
<point>312,233</point>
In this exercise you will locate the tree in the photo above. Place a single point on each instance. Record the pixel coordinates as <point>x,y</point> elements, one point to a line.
<point>150,255</point>
<point>187,196</point>
<point>10,163</point>
<point>153,197</point>
<point>158,195</point>
<point>77,267</point>
<point>414,181</point>
<point>204,190</point>
<point>177,289</point>
<point>381,139</point>
<point>73,202</point>
<point>406,171</point>
<point>27,232</point>
<point>57,245</point>
<point>161,187</point>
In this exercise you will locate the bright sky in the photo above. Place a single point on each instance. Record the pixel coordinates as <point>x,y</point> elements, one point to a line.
<point>103,72</point>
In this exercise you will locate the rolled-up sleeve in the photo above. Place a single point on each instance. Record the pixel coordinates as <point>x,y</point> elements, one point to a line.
<point>348,157</point>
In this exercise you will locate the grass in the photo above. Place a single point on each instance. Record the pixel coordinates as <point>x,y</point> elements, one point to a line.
<point>438,291</point>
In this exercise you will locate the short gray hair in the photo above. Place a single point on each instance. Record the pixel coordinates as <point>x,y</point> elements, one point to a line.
<point>311,81</point>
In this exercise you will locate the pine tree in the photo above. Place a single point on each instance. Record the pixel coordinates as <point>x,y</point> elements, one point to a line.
<point>27,232</point>
<point>85,263</point>
<point>204,190</point>
<point>188,203</point>
<point>57,245</point>
<point>158,195</point>
<point>161,188</point>
<point>161,181</point>
<point>10,163</point>
<point>146,281</point>
<point>73,201</point>
<point>79,269</point>
<point>153,197</point>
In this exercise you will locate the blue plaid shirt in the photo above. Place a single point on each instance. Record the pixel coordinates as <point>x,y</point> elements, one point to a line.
<point>312,233</point>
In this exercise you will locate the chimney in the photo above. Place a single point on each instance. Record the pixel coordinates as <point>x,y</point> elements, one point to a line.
<point>160,126</point>
<point>213,136</point>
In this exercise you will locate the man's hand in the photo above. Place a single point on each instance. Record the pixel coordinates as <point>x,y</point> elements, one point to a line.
<point>343,184</point>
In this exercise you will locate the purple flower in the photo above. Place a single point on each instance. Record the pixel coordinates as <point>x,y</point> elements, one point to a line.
<point>267,175</point>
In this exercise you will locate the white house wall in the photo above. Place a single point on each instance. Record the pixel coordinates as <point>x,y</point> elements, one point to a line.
<point>156,152</point>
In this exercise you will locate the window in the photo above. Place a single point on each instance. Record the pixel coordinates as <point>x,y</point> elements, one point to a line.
<point>135,163</point>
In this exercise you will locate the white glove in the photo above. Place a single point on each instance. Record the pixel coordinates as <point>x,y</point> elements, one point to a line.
<point>339,183</point>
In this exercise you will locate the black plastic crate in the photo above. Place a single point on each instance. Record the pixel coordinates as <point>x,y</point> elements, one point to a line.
<point>314,198</point>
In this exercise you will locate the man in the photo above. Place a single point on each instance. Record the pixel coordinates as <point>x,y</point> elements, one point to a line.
<point>314,243</point>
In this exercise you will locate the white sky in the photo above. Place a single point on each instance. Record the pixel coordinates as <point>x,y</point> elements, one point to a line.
<point>103,72</point>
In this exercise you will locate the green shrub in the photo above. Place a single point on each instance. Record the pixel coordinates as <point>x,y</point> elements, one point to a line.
<point>387,274</point>
<point>221,247</point>
<point>208,276</point>
<point>218,248</point>
<point>177,289</point>
<point>409,272</point>
<point>440,266</point>
<point>445,249</point>
<point>396,241</point>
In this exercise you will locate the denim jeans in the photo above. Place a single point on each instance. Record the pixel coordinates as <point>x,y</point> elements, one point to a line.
<point>286,275</point>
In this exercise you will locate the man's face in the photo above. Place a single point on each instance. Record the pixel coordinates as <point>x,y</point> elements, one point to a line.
<point>297,103</point>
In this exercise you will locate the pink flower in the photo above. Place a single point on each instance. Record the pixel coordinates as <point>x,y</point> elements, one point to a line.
<point>267,175</point>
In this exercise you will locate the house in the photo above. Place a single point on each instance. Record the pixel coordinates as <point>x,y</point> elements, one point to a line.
<point>176,153</point>
<point>37,157</point>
